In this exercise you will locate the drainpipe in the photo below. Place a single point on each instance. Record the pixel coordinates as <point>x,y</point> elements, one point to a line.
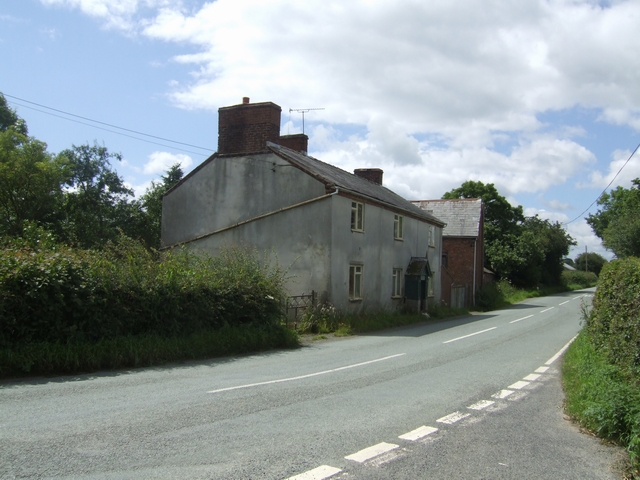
<point>475,266</point>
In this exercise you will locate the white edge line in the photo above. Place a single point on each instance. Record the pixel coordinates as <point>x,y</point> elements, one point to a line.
<point>562,350</point>
<point>546,310</point>
<point>320,473</point>
<point>523,318</point>
<point>300,377</point>
<point>471,335</point>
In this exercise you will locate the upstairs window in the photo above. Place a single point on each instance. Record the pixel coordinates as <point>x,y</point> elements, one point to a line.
<point>357,216</point>
<point>432,236</point>
<point>397,283</point>
<point>398,232</point>
<point>355,282</point>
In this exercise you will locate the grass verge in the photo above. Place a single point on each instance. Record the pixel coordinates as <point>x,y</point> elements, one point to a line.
<point>140,351</point>
<point>603,398</point>
<point>328,320</point>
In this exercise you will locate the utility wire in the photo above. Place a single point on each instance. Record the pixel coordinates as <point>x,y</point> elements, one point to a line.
<point>103,123</point>
<point>605,188</point>
<point>111,131</point>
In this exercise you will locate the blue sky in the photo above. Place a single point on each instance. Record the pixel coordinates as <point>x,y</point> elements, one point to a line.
<point>539,97</point>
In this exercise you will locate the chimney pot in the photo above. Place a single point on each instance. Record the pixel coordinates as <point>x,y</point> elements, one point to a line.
<point>245,100</point>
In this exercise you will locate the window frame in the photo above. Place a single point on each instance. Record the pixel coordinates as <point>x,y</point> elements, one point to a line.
<point>432,236</point>
<point>398,227</point>
<point>357,216</point>
<point>355,281</point>
<point>396,287</point>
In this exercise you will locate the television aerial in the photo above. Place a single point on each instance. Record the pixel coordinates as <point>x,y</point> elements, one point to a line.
<point>303,111</point>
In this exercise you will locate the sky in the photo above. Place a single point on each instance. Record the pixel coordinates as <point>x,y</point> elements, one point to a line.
<point>539,97</point>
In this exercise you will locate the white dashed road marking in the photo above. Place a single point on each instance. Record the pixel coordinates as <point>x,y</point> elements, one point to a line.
<point>481,405</point>
<point>563,303</point>
<point>518,385</point>
<point>542,369</point>
<point>523,318</point>
<point>502,394</point>
<point>532,377</point>
<point>453,418</point>
<point>418,433</point>
<point>471,335</point>
<point>547,309</point>
<point>320,473</point>
<point>371,452</point>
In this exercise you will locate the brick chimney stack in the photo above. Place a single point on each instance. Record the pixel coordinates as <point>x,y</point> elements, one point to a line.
<point>372,174</point>
<point>246,128</point>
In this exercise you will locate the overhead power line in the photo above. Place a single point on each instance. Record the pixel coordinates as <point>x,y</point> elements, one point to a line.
<point>208,149</point>
<point>605,188</point>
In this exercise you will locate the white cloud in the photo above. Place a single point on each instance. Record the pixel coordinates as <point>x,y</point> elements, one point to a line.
<point>582,233</point>
<point>118,14</point>
<point>439,92</point>
<point>626,168</point>
<point>160,162</point>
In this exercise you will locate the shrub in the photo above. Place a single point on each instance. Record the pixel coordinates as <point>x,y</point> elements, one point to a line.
<point>614,321</point>
<point>579,279</point>
<point>58,294</point>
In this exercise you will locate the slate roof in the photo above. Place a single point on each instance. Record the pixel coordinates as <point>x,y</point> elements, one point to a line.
<point>345,181</point>
<point>462,216</point>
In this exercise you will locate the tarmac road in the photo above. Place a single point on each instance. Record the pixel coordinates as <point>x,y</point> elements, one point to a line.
<point>427,401</point>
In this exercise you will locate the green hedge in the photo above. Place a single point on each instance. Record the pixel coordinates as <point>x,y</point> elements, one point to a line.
<point>578,278</point>
<point>614,322</point>
<point>58,294</point>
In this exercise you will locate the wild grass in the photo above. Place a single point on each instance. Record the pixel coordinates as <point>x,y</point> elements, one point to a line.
<point>495,296</point>
<point>326,319</point>
<point>603,397</point>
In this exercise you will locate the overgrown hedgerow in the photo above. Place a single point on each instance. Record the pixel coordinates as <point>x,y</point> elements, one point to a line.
<point>601,370</point>
<point>58,294</point>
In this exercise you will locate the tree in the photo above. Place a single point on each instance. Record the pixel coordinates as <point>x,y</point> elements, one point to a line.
<point>590,261</point>
<point>151,206</point>
<point>525,251</point>
<point>500,217</point>
<point>31,178</point>
<point>9,118</point>
<point>617,222</point>
<point>96,203</point>
<point>554,243</point>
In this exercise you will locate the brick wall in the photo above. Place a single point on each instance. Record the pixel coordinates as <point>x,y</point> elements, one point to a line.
<point>298,142</point>
<point>460,263</point>
<point>247,127</point>
<point>372,174</point>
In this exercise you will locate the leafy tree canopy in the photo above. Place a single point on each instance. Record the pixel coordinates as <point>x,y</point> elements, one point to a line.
<point>617,221</point>
<point>500,217</point>
<point>590,261</point>
<point>9,118</point>
<point>151,203</point>
<point>31,178</point>
<point>524,250</point>
<point>96,203</point>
